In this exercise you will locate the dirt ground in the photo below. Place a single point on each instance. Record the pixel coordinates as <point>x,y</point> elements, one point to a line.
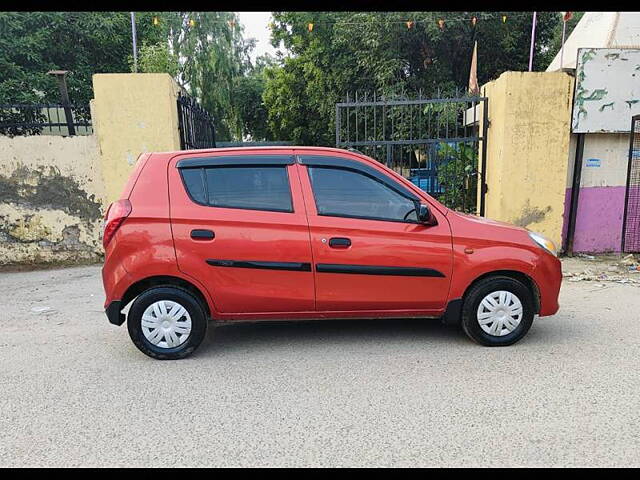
<point>76,392</point>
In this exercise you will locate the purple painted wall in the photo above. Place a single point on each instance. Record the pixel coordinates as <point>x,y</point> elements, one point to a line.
<point>599,219</point>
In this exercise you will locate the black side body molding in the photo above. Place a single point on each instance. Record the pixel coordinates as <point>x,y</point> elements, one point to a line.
<point>292,266</point>
<point>378,270</point>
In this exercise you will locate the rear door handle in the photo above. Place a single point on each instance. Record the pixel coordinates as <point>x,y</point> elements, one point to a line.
<point>339,242</point>
<point>202,235</point>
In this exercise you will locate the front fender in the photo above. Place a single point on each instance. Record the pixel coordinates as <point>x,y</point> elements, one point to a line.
<point>468,267</point>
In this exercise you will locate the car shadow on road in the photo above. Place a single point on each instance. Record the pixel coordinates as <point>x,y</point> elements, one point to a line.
<point>360,334</point>
<point>274,335</point>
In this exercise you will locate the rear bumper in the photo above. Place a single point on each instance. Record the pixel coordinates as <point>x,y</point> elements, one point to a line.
<point>113,313</point>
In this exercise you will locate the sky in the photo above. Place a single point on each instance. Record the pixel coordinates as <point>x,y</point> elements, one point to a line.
<point>256,25</point>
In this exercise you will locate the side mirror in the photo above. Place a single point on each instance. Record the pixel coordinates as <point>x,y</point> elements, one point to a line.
<point>425,216</point>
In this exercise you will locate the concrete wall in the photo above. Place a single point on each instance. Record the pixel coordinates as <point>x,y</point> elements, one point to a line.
<point>51,199</point>
<point>54,190</point>
<point>528,148</point>
<point>132,113</point>
<point>602,191</point>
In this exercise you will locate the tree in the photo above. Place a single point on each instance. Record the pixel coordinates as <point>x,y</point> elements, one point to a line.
<point>249,96</point>
<point>84,43</point>
<point>456,175</point>
<point>204,51</point>
<point>378,52</point>
<point>213,57</point>
<point>156,58</point>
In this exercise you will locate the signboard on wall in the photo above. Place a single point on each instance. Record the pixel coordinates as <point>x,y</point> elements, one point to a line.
<point>607,90</point>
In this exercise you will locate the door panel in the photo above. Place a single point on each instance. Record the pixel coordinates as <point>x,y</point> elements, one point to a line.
<point>387,265</point>
<point>254,261</point>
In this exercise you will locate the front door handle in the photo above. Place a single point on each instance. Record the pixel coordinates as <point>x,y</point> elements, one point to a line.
<point>339,242</point>
<point>202,235</point>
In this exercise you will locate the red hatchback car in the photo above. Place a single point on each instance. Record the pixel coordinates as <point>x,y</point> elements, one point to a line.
<point>251,234</point>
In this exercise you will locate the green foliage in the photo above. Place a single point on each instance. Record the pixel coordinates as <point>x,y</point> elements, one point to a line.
<point>204,51</point>
<point>156,58</point>
<point>248,95</point>
<point>84,43</point>
<point>376,52</point>
<point>288,98</point>
<point>213,56</point>
<point>456,174</point>
<point>556,39</point>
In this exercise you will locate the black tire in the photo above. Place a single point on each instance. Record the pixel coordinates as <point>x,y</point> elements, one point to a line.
<point>184,298</point>
<point>478,292</point>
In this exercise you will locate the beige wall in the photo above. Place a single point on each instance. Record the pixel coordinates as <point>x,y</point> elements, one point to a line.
<point>51,199</point>
<point>528,149</point>
<point>132,113</point>
<point>54,190</point>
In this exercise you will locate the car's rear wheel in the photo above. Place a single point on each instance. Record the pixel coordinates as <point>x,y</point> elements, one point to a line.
<point>498,311</point>
<point>166,323</point>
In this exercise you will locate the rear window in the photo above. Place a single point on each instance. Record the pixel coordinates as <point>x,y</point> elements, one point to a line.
<point>247,187</point>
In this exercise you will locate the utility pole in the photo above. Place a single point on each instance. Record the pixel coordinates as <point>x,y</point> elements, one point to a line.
<point>533,39</point>
<point>566,16</point>
<point>564,29</point>
<point>64,98</point>
<point>135,49</point>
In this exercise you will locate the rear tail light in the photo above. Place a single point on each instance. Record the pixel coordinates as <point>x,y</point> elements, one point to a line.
<point>116,213</point>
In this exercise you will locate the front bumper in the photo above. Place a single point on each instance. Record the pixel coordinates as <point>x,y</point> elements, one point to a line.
<point>113,313</point>
<point>548,277</point>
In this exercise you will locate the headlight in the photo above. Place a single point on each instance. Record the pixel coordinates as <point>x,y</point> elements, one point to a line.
<point>545,243</point>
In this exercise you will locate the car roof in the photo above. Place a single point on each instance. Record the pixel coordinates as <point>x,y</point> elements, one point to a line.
<point>253,149</point>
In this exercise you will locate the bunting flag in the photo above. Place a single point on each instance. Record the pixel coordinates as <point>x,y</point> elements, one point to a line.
<point>474,89</point>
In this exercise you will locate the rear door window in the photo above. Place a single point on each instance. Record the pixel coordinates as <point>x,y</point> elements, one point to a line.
<point>250,187</point>
<point>253,188</point>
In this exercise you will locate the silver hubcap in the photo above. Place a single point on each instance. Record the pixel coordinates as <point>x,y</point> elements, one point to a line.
<point>166,324</point>
<point>499,313</point>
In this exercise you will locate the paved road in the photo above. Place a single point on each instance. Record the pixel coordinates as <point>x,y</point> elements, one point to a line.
<point>76,392</point>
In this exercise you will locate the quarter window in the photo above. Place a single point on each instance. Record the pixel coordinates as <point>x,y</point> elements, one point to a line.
<point>247,187</point>
<point>347,193</point>
<point>194,184</point>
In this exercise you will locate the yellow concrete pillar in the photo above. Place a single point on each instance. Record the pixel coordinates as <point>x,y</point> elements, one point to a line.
<point>132,113</point>
<point>528,149</point>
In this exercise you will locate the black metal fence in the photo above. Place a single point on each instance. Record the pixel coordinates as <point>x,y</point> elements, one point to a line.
<point>195,124</point>
<point>417,137</point>
<point>631,219</point>
<point>45,119</point>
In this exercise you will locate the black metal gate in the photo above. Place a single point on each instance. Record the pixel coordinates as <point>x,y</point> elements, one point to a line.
<point>631,219</point>
<point>417,137</point>
<point>195,124</point>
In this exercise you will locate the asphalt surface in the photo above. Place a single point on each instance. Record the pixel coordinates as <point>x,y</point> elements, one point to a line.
<point>76,392</point>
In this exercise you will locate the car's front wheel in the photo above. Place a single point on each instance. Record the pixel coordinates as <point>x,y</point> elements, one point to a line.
<point>166,323</point>
<point>498,311</point>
